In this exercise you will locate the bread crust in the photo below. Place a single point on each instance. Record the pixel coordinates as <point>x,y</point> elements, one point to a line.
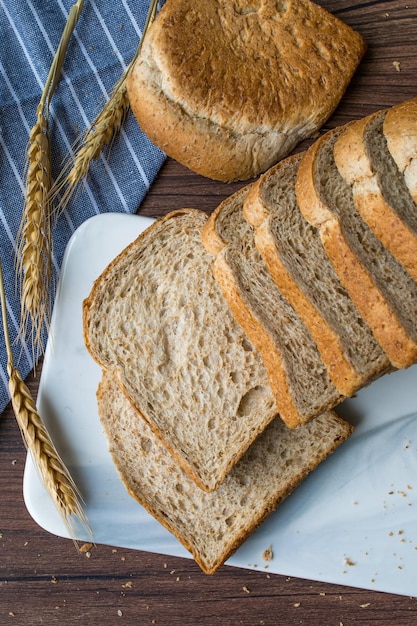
<point>356,279</point>
<point>228,90</point>
<point>400,130</point>
<point>355,167</point>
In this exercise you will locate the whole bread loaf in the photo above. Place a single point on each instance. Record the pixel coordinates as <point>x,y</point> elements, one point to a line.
<point>157,317</point>
<point>227,88</point>
<point>212,525</point>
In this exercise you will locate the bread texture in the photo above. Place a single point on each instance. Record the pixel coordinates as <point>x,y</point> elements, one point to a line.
<point>297,375</point>
<point>297,261</point>
<point>212,525</point>
<point>383,291</point>
<point>379,190</point>
<point>158,318</point>
<point>227,88</point>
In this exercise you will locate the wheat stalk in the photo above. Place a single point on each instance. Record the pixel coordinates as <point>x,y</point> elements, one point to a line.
<point>101,131</point>
<point>55,475</point>
<point>34,237</point>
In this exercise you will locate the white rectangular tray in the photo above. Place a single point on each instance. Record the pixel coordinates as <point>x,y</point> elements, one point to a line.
<point>353,521</point>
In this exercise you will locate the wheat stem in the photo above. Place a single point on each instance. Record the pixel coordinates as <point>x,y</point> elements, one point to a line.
<point>55,475</point>
<point>35,232</point>
<point>102,130</point>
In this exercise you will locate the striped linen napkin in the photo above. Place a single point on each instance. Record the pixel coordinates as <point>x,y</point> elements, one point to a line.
<point>103,43</point>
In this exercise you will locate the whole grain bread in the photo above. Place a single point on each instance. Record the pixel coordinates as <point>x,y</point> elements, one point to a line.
<point>379,190</point>
<point>298,377</point>
<point>292,250</point>
<point>383,291</point>
<point>212,525</point>
<point>400,130</point>
<point>227,88</point>
<point>158,318</point>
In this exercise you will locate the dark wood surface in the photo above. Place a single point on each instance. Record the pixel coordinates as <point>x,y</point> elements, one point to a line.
<point>43,580</point>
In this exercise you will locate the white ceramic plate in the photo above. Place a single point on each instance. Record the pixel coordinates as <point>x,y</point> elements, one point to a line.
<point>353,521</point>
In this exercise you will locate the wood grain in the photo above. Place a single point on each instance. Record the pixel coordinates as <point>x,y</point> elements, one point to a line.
<point>43,580</point>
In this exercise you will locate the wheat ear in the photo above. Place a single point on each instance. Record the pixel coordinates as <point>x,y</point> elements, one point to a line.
<point>34,243</point>
<point>55,475</point>
<point>101,131</point>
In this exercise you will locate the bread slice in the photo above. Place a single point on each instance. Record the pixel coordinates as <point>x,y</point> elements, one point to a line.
<point>379,190</point>
<point>157,316</point>
<point>292,250</point>
<point>227,88</point>
<point>384,293</point>
<point>296,372</point>
<point>400,130</point>
<point>212,525</point>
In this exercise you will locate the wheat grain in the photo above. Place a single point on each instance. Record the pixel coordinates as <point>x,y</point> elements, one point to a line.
<point>101,132</point>
<point>55,475</point>
<point>34,238</point>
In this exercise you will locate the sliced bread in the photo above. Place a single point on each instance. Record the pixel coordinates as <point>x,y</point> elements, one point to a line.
<point>158,318</point>
<point>400,130</point>
<point>296,372</point>
<point>292,250</point>
<point>227,88</point>
<point>379,190</point>
<point>383,291</point>
<point>212,525</point>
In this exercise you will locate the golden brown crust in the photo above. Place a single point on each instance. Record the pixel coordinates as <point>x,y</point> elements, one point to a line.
<point>210,237</point>
<point>206,89</point>
<point>341,372</point>
<point>355,167</point>
<point>253,209</point>
<point>389,333</point>
<point>400,130</point>
<point>261,339</point>
<point>311,206</point>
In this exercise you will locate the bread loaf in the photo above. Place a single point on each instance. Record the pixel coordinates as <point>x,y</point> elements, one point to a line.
<point>212,525</point>
<point>158,318</point>
<point>381,288</point>
<point>227,88</point>
<point>297,261</point>
<point>379,190</point>
<point>298,377</point>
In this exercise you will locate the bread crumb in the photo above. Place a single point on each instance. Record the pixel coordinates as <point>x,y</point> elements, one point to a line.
<point>348,561</point>
<point>54,580</point>
<point>119,612</point>
<point>397,65</point>
<point>322,593</point>
<point>365,606</point>
<point>245,589</point>
<point>86,547</point>
<point>127,585</point>
<point>12,614</point>
<point>267,554</point>
<point>297,604</point>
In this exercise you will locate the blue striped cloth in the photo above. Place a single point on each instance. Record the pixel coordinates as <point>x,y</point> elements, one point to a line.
<point>104,42</point>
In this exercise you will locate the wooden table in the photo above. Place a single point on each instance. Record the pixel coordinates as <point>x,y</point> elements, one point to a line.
<point>43,580</point>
